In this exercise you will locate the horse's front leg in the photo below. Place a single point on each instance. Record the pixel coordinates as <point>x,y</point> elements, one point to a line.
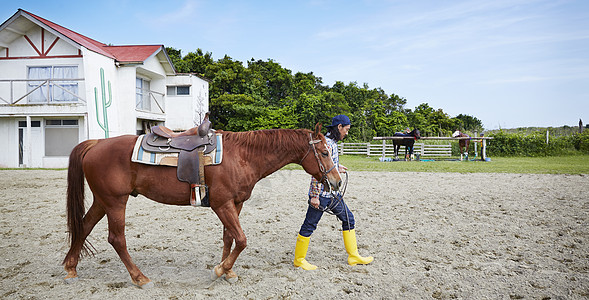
<point>227,238</point>
<point>232,231</point>
<point>227,243</point>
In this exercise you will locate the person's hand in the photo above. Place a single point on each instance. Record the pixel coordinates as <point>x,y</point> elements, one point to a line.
<point>315,202</point>
<point>342,169</point>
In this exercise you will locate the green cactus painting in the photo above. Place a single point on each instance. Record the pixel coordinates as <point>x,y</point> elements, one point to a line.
<point>105,104</point>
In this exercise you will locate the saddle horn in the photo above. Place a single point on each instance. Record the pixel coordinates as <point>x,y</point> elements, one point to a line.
<point>203,128</point>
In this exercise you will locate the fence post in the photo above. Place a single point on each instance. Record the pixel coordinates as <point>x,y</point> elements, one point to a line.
<point>367,149</point>
<point>475,144</point>
<point>341,149</point>
<point>546,137</point>
<point>384,147</point>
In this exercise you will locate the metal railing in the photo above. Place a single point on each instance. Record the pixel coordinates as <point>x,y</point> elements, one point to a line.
<point>19,89</point>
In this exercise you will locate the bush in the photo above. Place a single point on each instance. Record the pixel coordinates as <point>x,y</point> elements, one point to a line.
<point>581,141</point>
<point>534,144</point>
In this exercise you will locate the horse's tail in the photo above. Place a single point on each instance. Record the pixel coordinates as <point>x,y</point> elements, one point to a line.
<point>75,195</point>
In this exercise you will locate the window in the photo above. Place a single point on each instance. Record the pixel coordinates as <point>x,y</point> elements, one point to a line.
<point>23,124</point>
<point>179,90</point>
<point>142,100</point>
<point>61,136</point>
<point>56,89</point>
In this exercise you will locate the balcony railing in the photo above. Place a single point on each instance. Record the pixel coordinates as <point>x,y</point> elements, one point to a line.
<point>40,91</point>
<point>150,101</point>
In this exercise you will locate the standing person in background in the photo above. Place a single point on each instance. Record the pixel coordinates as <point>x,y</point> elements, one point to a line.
<point>319,198</point>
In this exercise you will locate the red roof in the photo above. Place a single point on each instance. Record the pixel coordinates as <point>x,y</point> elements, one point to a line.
<point>135,53</point>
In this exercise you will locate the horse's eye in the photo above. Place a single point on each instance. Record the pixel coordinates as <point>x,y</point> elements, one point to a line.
<point>325,154</point>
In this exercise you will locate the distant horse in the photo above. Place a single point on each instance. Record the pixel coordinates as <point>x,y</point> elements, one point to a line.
<point>462,143</point>
<point>112,177</point>
<point>408,142</point>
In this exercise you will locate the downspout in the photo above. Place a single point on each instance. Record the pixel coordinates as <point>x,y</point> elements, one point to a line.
<point>28,143</point>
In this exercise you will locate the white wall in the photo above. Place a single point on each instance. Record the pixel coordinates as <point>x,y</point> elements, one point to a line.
<point>9,134</point>
<point>187,111</point>
<point>93,63</point>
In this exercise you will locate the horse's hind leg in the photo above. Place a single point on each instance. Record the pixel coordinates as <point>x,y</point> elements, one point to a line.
<point>232,231</point>
<point>116,237</point>
<point>94,214</point>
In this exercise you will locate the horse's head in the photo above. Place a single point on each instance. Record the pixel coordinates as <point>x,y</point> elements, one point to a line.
<point>320,164</point>
<point>416,133</point>
<point>456,133</point>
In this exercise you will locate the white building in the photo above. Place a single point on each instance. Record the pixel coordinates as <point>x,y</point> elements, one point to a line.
<point>58,88</point>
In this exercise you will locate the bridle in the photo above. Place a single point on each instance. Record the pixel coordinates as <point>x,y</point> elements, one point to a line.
<point>324,173</point>
<point>337,197</point>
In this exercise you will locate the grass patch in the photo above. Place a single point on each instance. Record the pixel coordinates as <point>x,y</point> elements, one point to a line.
<point>576,164</point>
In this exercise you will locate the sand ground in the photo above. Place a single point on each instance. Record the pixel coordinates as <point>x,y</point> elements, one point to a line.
<point>433,235</point>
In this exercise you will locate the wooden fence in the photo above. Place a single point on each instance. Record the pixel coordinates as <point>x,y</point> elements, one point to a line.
<point>369,149</point>
<point>438,152</point>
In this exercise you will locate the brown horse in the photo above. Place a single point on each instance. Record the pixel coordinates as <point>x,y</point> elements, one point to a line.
<point>462,143</point>
<point>112,177</point>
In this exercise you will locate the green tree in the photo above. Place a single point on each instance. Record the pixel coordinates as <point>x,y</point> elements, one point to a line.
<point>176,57</point>
<point>431,122</point>
<point>197,62</point>
<point>469,123</point>
<point>263,94</point>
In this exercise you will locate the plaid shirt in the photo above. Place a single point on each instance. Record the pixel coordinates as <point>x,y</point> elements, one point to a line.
<point>316,187</point>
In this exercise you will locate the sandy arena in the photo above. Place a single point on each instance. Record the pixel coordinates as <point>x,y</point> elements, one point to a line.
<point>433,235</point>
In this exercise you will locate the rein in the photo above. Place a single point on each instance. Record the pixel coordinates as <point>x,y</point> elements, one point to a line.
<point>337,199</point>
<point>337,196</point>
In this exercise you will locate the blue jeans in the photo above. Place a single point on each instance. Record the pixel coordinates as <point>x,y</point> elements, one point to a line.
<point>313,216</point>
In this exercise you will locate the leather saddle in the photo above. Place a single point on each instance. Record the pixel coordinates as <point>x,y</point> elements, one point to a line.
<point>190,145</point>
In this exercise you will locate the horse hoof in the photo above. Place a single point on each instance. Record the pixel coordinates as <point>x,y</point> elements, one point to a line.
<point>231,280</point>
<point>214,275</point>
<point>71,280</point>
<point>146,285</point>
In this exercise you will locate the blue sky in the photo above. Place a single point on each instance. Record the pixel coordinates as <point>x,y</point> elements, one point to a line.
<point>510,63</point>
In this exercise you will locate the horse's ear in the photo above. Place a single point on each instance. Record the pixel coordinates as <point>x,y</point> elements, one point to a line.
<point>317,129</point>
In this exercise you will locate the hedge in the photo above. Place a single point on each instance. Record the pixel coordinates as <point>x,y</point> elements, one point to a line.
<point>534,144</point>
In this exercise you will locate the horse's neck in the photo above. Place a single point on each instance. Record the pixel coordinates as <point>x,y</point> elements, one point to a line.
<point>269,159</point>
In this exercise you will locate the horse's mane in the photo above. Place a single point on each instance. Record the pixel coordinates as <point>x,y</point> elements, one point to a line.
<point>269,139</point>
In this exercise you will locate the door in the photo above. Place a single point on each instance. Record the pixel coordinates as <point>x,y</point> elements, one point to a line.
<point>30,156</point>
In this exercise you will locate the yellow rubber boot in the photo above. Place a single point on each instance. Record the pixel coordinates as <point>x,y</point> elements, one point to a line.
<point>351,247</point>
<point>301,252</point>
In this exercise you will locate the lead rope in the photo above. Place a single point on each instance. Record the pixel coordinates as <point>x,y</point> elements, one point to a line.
<point>337,198</point>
